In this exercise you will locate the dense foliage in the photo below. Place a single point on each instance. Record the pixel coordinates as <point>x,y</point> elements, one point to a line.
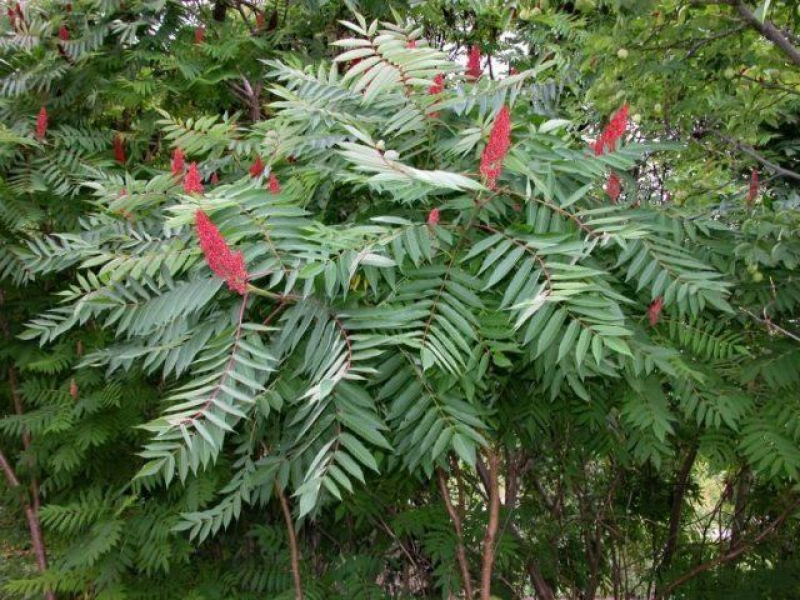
<point>457,299</point>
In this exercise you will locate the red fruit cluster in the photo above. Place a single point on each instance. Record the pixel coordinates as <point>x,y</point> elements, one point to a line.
<point>192,183</point>
<point>497,148</point>
<point>119,149</point>
<point>63,33</point>
<point>41,124</point>
<point>654,310</point>
<point>614,187</point>
<point>411,44</point>
<point>613,132</point>
<point>438,85</point>
<point>199,35</point>
<point>224,263</point>
<point>433,217</point>
<point>474,70</point>
<point>178,162</point>
<point>257,168</point>
<point>753,192</point>
<point>274,184</point>
<point>73,388</point>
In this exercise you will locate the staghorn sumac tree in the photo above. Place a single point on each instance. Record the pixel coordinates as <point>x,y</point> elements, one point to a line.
<point>414,336</point>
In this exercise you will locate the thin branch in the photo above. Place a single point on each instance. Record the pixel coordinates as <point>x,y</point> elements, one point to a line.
<point>767,29</point>
<point>772,326</point>
<point>461,554</point>
<point>730,555</point>
<point>295,554</point>
<point>491,527</point>
<point>749,150</point>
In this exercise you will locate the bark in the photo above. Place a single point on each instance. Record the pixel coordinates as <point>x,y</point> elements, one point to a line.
<point>678,495</point>
<point>461,554</point>
<point>295,554</point>
<point>543,589</point>
<point>742,492</point>
<point>490,537</point>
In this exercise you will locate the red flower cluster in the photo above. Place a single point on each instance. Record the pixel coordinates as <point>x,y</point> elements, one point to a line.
<point>614,130</point>
<point>257,168</point>
<point>614,187</point>
<point>753,192</point>
<point>438,85</point>
<point>274,184</point>
<point>411,44</point>
<point>119,149</point>
<point>654,311</point>
<point>224,263</point>
<point>178,162</point>
<point>474,70</point>
<point>63,33</point>
<point>199,35</point>
<point>192,183</point>
<point>497,148</point>
<point>433,217</point>
<point>73,389</point>
<point>41,124</point>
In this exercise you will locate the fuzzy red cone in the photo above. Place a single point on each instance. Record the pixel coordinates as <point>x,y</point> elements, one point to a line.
<point>497,148</point>
<point>178,163</point>
<point>257,168</point>
<point>753,191</point>
<point>438,85</point>
<point>433,217</point>
<point>613,132</point>
<point>411,44</point>
<point>73,389</point>
<point>225,264</point>
<point>199,35</point>
<point>614,187</point>
<point>654,311</point>
<point>474,70</point>
<point>274,184</point>
<point>191,182</point>
<point>119,149</point>
<point>41,124</point>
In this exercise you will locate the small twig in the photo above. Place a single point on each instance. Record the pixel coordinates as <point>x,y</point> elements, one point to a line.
<point>461,554</point>
<point>295,554</point>
<point>771,326</point>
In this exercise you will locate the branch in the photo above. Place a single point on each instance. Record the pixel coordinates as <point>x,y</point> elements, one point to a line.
<point>491,528</point>
<point>295,555</point>
<point>461,554</point>
<point>767,29</point>
<point>730,555</point>
<point>749,150</point>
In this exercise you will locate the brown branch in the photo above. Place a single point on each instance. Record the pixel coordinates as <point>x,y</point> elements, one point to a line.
<point>492,527</point>
<point>730,555</point>
<point>295,554</point>
<point>678,495</point>
<point>29,501</point>
<point>461,554</point>
<point>767,29</point>
<point>752,152</point>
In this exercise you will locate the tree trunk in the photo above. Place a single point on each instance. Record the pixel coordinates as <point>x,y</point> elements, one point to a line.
<point>490,538</point>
